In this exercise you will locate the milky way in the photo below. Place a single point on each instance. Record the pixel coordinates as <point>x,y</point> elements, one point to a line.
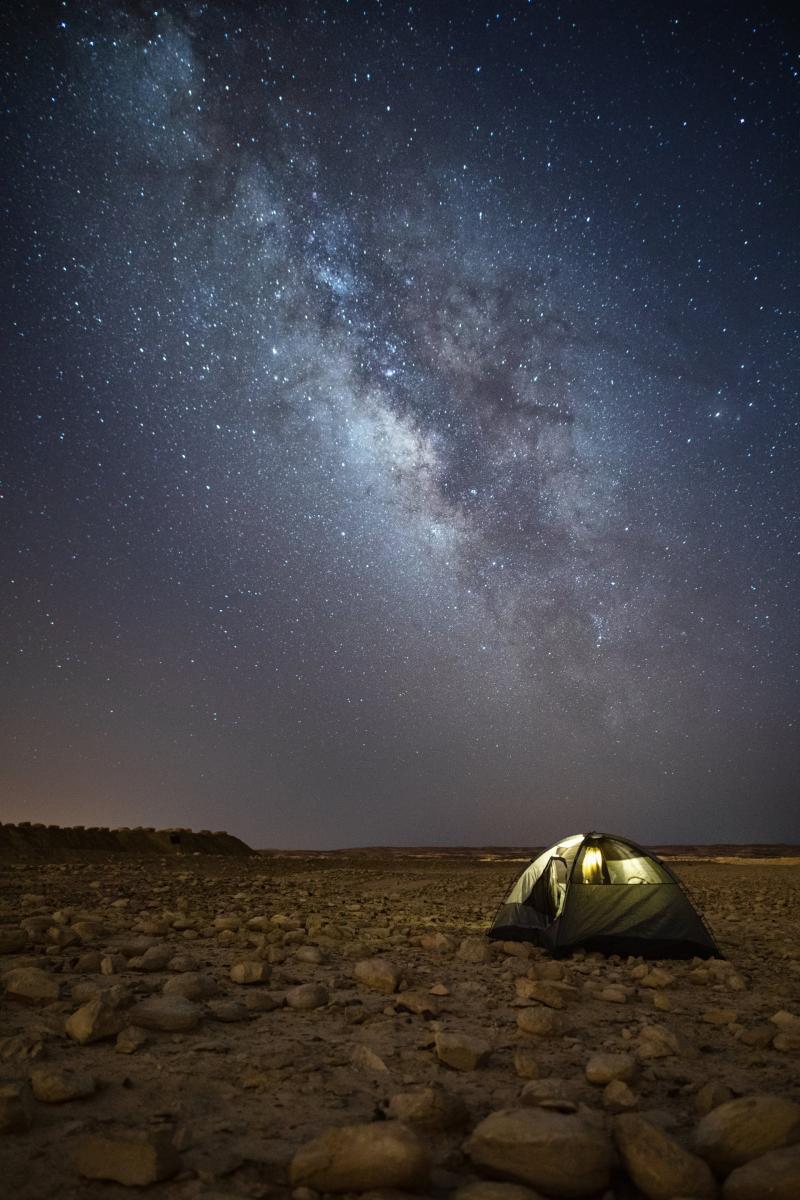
<point>403,426</point>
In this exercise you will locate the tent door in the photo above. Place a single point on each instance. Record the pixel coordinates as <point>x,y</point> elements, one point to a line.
<point>556,872</point>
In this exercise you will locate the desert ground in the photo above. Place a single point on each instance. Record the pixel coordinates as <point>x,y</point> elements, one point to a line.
<point>209,1027</point>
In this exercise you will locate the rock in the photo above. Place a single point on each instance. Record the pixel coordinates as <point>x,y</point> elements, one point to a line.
<point>430,1108</point>
<point>557,1152</point>
<point>130,1039</point>
<point>310,954</point>
<point>15,1114</point>
<point>618,1097</point>
<point>228,1011</point>
<point>423,1004</point>
<point>657,1164</point>
<point>656,1041</point>
<point>99,1018</point>
<point>489,1189</point>
<point>31,985</point>
<point>307,996</point>
<point>461,1051</point>
<point>113,964</point>
<point>719,1016</point>
<point>603,1068</point>
<point>613,994</point>
<point>711,1095</point>
<point>526,1062</point>
<point>734,1133</point>
<point>55,1085</point>
<point>552,1092</point>
<point>192,985</point>
<point>155,958</point>
<point>170,1013</point>
<point>772,1176</point>
<point>657,978</point>
<point>365,1059</point>
<point>358,1157</point>
<point>436,941</point>
<point>377,974</point>
<point>12,940</point>
<point>541,1022</point>
<point>542,992</point>
<point>250,972</point>
<point>135,1161</point>
<point>474,950</point>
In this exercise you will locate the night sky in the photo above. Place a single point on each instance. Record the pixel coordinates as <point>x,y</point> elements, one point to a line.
<point>400,420</point>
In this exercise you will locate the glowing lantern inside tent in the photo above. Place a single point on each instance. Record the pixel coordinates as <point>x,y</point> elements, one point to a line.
<point>593,865</point>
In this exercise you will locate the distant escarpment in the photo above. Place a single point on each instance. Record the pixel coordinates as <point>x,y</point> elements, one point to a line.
<point>28,841</point>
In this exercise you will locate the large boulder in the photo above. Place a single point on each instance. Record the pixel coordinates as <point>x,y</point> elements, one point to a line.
<point>657,1164</point>
<point>557,1152</point>
<point>134,1160</point>
<point>355,1158</point>
<point>734,1133</point>
<point>773,1176</point>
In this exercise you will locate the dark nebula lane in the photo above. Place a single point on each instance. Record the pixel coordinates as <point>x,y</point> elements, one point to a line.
<point>401,420</point>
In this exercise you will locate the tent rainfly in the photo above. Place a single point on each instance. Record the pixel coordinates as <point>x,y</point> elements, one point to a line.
<point>605,893</point>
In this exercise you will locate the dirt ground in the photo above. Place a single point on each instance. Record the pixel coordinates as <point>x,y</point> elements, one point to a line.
<point>256,1077</point>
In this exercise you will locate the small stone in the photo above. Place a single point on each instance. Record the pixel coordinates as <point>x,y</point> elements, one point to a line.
<point>193,985</point>
<point>711,1095</point>
<point>262,1001</point>
<point>15,1114</point>
<point>541,1022</point>
<point>365,1059</point>
<point>307,996</point>
<point>613,994</point>
<point>490,1189</point>
<point>440,989</point>
<point>656,1041</point>
<point>135,1161</point>
<point>130,1039</point>
<point>113,964</point>
<point>658,1164</point>
<point>418,1002</point>
<point>436,941</point>
<point>155,958</point>
<point>618,1097</point>
<point>170,1013</point>
<point>228,1011</point>
<point>377,974</point>
<point>474,950</point>
<point>542,992</point>
<point>250,972</point>
<point>96,1020</point>
<point>461,1051</point>
<point>557,1152</point>
<point>603,1068</point>
<point>430,1108</point>
<point>719,1016</point>
<point>356,1158</point>
<point>772,1176</point>
<point>526,1062</point>
<point>657,978</point>
<point>31,985</point>
<point>552,1092</point>
<point>734,1133</point>
<point>310,954</point>
<point>55,1085</point>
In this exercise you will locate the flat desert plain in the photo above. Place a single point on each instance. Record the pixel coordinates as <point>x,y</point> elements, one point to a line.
<point>290,1026</point>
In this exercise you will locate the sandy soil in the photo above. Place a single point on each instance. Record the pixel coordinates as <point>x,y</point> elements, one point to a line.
<point>255,1078</point>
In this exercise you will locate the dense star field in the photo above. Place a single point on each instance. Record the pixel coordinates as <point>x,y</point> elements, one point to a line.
<point>401,425</point>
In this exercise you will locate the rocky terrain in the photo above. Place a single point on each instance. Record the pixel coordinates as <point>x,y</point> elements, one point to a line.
<point>210,1027</point>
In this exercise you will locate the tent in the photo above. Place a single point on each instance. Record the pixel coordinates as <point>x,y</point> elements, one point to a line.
<point>603,893</point>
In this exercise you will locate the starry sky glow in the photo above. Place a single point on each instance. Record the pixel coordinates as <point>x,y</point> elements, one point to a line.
<point>401,420</point>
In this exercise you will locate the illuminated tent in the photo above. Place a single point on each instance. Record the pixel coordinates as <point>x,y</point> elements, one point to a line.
<point>603,893</point>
